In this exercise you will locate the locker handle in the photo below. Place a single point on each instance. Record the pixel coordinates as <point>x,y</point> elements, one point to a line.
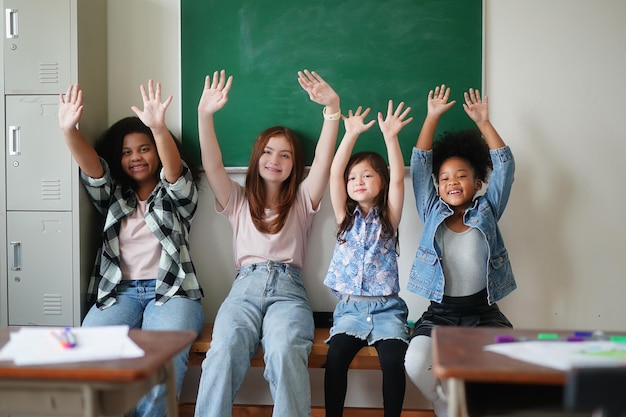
<point>14,141</point>
<point>15,256</point>
<point>11,23</point>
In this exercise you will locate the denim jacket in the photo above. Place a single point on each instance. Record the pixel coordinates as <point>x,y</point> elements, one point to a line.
<point>426,277</point>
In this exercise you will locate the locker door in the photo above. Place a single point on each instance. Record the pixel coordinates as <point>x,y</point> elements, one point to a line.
<point>36,46</point>
<point>38,163</point>
<point>39,268</point>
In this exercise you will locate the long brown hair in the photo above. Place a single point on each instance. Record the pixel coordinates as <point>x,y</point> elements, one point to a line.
<point>255,185</point>
<point>382,200</point>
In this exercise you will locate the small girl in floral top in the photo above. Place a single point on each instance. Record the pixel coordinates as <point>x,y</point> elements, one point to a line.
<point>367,200</point>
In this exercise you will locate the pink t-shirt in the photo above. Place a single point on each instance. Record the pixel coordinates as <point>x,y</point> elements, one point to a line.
<point>251,246</point>
<point>140,250</point>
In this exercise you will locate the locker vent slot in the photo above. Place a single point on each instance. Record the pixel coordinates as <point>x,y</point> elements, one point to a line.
<point>52,304</point>
<point>48,72</point>
<point>50,189</point>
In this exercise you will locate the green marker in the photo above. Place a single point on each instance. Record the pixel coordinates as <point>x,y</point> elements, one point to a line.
<point>547,336</point>
<point>618,339</point>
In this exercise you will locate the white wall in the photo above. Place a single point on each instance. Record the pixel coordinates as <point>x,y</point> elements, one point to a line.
<point>555,78</point>
<point>555,75</point>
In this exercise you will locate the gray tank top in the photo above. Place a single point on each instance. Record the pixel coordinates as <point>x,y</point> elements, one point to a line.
<point>464,260</point>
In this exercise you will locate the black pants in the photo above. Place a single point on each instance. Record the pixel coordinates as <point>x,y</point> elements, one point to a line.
<point>342,350</point>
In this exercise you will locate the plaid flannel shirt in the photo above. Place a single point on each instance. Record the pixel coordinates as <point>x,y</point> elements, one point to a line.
<point>169,211</point>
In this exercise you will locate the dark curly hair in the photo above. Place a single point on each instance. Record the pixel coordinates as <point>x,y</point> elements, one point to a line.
<point>466,144</point>
<point>109,147</point>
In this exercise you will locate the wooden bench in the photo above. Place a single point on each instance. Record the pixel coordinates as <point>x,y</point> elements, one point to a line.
<point>367,358</point>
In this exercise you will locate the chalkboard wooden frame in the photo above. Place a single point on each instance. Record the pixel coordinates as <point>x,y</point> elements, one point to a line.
<point>369,51</point>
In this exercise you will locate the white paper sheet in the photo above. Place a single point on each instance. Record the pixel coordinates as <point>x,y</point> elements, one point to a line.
<point>564,355</point>
<point>38,345</point>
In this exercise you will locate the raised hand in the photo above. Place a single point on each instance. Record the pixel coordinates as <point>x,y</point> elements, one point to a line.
<point>395,120</point>
<point>354,123</point>
<point>438,100</point>
<point>437,104</point>
<point>215,93</point>
<point>476,109</point>
<point>153,113</point>
<point>70,107</point>
<point>319,90</point>
<point>70,112</point>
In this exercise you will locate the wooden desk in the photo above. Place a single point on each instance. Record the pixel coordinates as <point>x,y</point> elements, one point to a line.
<point>95,388</point>
<point>459,358</point>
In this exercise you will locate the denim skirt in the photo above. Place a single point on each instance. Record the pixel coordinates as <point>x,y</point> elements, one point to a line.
<point>371,318</point>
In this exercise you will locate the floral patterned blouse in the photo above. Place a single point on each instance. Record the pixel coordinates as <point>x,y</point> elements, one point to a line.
<point>363,262</point>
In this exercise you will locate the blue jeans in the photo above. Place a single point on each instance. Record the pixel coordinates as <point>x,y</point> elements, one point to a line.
<point>267,305</point>
<point>135,307</point>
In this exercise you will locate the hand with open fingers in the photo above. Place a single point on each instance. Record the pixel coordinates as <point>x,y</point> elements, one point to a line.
<point>438,100</point>
<point>395,120</point>
<point>215,93</point>
<point>153,113</point>
<point>70,107</point>
<point>476,108</point>
<point>319,90</point>
<point>355,121</point>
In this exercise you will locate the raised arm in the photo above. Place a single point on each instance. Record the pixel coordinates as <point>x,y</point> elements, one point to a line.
<point>153,116</point>
<point>322,93</point>
<point>355,125</point>
<point>70,112</point>
<point>478,111</point>
<point>436,106</point>
<point>391,127</point>
<point>214,97</point>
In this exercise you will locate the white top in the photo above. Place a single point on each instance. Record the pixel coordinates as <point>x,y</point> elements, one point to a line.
<point>140,250</point>
<point>252,246</point>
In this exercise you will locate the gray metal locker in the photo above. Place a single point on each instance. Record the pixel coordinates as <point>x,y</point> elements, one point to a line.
<point>47,223</point>
<point>40,271</point>
<point>37,36</point>
<point>38,164</point>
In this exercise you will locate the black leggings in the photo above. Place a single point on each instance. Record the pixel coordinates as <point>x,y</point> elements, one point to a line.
<point>342,349</point>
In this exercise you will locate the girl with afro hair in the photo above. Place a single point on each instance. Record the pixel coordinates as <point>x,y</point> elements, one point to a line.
<point>461,264</point>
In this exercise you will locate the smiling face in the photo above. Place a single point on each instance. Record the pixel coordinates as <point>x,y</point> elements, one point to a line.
<point>276,162</point>
<point>140,160</point>
<point>457,183</point>
<point>363,185</point>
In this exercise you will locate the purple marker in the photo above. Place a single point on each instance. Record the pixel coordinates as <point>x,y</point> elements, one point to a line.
<point>576,339</point>
<point>504,339</point>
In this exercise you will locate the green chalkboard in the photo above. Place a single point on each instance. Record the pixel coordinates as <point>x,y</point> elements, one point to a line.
<point>370,51</point>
